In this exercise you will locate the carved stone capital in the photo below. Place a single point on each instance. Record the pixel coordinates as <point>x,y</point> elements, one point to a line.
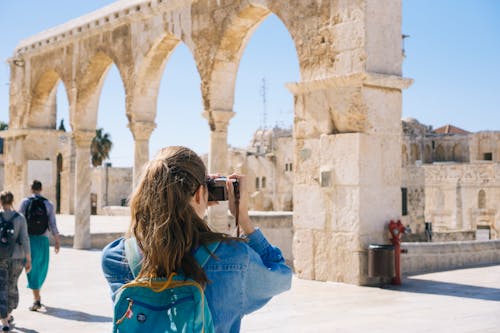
<point>83,138</point>
<point>141,130</point>
<point>218,119</point>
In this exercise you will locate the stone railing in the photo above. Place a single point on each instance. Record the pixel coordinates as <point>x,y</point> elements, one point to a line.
<point>278,229</point>
<point>431,257</point>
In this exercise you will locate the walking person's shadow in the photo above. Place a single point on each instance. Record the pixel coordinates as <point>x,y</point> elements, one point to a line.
<point>75,315</point>
<point>16,328</point>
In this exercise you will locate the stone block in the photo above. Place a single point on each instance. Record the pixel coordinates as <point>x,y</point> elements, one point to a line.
<point>309,207</point>
<point>303,253</point>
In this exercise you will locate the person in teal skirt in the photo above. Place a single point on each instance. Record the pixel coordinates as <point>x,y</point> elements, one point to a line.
<point>41,219</point>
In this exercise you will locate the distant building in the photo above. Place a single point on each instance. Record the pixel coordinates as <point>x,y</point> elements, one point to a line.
<point>450,178</point>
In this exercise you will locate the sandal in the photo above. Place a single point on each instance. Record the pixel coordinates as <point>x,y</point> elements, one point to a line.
<point>11,319</point>
<point>36,306</point>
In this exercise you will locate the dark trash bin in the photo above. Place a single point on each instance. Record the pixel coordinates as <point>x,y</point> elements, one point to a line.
<point>381,260</point>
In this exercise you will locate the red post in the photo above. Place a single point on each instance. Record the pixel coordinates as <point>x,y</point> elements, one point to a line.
<point>397,229</point>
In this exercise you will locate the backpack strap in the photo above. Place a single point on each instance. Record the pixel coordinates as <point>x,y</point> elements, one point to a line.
<point>134,257</point>
<point>16,214</point>
<point>202,255</point>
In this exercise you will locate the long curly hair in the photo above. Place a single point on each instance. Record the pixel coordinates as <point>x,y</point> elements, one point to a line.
<point>164,223</point>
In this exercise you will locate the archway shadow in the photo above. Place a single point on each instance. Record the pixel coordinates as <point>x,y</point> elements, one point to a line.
<point>423,286</point>
<point>75,315</point>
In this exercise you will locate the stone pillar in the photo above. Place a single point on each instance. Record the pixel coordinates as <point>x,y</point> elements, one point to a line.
<point>83,182</point>
<point>347,159</point>
<point>218,162</point>
<point>15,165</point>
<point>141,132</point>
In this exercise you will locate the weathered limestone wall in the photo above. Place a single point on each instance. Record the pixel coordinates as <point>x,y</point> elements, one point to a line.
<point>461,197</point>
<point>485,142</point>
<point>111,185</point>
<point>431,257</point>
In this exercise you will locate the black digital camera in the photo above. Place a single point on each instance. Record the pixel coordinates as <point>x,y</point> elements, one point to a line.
<point>217,190</point>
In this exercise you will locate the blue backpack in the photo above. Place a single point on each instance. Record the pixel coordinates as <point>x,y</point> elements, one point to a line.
<point>162,305</point>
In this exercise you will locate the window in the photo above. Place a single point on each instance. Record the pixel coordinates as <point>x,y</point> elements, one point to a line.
<point>286,166</point>
<point>488,156</point>
<point>290,166</point>
<point>481,199</point>
<point>404,197</point>
<point>263,182</point>
<point>257,183</point>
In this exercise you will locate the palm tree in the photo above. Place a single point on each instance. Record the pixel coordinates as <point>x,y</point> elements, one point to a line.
<point>100,147</point>
<point>3,126</point>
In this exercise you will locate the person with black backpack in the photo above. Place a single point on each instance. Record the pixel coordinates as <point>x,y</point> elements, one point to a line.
<point>41,221</point>
<point>14,256</point>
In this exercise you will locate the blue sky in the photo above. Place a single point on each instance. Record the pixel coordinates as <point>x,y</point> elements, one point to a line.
<point>452,54</point>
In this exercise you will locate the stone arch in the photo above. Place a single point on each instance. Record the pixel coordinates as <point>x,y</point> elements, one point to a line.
<point>219,93</point>
<point>457,153</point>
<point>481,199</point>
<point>440,155</point>
<point>414,153</point>
<point>89,87</point>
<point>404,155</point>
<point>149,74</point>
<point>43,108</point>
<point>427,154</point>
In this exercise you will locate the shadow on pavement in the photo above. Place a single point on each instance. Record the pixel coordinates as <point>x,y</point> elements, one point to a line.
<point>447,289</point>
<point>75,315</point>
<point>22,329</point>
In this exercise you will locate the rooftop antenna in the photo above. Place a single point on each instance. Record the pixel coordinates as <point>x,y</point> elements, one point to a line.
<point>263,93</point>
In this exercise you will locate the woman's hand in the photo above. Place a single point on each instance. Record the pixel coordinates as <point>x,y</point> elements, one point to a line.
<point>27,264</point>
<point>243,219</point>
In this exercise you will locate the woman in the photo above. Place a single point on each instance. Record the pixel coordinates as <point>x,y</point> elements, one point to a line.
<point>167,210</point>
<point>12,266</point>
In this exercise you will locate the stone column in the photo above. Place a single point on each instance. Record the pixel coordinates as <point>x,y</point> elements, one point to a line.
<point>347,159</point>
<point>218,162</point>
<point>83,182</point>
<point>141,132</point>
<point>15,164</point>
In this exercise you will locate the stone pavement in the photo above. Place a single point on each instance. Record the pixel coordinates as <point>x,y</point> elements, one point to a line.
<point>77,300</point>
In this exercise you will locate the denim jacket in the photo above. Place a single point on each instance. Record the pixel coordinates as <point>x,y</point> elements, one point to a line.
<point>244,277</point>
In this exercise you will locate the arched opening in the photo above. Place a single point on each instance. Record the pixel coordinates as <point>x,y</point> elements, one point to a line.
<point>112,175</point>
<point>457,154</point>
<point>404,156</point>
<point>264,108</point>
<point>63,122</point>
<point>178,116</point>
<point>427,154</point>
<point>440,154</point>
<point>414,153</point>
<point>112,119</point>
